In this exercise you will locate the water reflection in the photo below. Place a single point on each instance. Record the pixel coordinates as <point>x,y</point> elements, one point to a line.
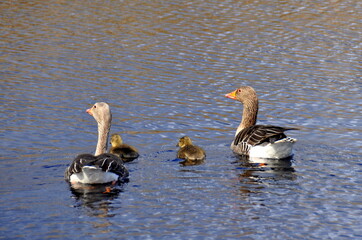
<point>164,66</point>
<point>191,163</point>
<point>258,170</point>
<point>97,199</point>
<point>263,178</point>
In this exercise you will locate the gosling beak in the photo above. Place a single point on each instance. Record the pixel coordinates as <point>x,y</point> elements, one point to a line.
<point>231,95</point>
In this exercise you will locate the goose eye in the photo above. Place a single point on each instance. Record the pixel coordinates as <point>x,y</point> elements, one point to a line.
<point>239,90</point>
<point>94,106</point>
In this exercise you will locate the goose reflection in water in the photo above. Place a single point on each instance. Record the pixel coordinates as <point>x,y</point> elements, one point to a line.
<point>259,170</point>
<point>96,198</point>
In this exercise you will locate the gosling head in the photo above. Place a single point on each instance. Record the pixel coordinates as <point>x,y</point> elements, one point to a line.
<point>184,141</point>
<point>116,140</point>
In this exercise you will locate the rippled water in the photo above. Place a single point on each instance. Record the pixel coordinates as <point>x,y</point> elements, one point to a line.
<point>164,67</point>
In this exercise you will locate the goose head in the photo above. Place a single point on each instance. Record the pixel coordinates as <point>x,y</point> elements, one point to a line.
<point>101,112</point>
<point>247,96</point>
<point>243,94</point>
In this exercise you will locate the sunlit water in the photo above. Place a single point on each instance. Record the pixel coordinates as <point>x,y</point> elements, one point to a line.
<point>164,67</point>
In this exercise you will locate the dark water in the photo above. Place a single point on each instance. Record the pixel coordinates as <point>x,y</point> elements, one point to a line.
<point>164,67</point>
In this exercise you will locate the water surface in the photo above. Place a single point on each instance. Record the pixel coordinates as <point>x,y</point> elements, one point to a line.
<point>164,67</point>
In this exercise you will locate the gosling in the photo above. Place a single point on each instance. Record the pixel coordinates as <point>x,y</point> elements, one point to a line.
<point>188,151</point>
<point>126,152</point>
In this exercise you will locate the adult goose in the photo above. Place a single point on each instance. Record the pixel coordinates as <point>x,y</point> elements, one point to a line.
<point>101,167</point>
<point>126,152</point>
<point>259,141</point>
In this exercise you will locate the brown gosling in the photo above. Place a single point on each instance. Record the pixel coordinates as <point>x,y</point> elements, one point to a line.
<point>188,151</point>
<point>126,152</point>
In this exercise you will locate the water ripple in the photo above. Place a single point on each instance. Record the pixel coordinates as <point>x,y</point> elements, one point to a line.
<point>164,67</point>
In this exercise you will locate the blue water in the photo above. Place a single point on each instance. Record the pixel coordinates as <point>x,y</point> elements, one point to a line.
<point>164,68</point>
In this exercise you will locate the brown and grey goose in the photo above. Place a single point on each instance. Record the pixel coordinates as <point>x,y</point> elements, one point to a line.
<point>101,167</point>
<point>260,141</point>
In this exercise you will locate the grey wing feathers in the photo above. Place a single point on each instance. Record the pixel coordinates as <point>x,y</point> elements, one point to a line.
<point>107,162</point>
<point>78,163</point>
<point>111,163</point>
<point>244,147</point>
<point>258,134</point>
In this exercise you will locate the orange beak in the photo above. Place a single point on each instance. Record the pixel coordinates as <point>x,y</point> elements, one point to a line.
<point>89,111</point>
<point>231,95</point>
